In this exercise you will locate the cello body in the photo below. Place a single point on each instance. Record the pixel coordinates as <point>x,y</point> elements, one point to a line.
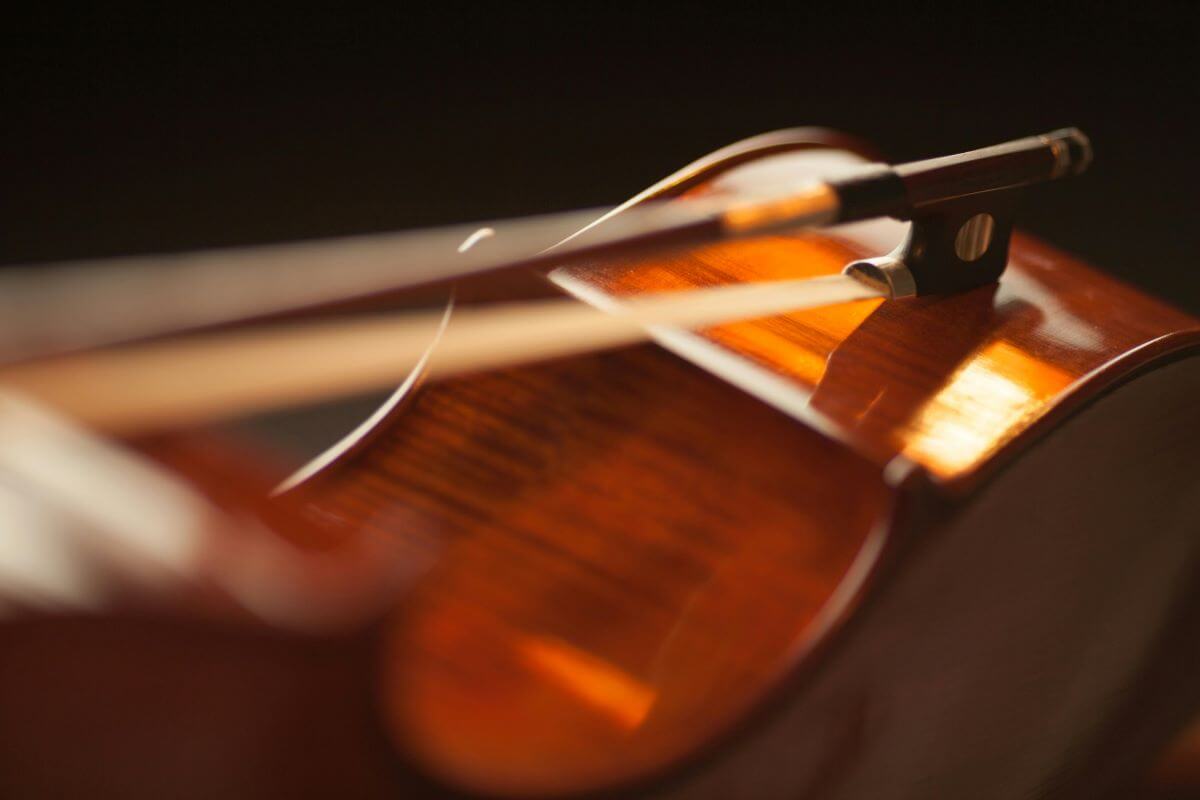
<point>943,546</point>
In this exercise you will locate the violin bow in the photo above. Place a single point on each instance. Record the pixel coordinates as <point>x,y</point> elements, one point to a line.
<point>961,206</point>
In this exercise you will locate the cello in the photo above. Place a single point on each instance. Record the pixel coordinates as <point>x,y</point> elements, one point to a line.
<point>934,541</point>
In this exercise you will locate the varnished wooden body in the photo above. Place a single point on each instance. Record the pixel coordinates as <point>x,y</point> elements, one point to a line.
<point>624,555</point>
<point>893,549</point>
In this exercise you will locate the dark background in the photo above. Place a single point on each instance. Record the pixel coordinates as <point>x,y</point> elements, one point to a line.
<point>175,129</point>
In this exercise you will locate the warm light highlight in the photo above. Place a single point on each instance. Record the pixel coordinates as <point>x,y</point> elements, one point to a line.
<point>985,403</point>
<point>604,687</point>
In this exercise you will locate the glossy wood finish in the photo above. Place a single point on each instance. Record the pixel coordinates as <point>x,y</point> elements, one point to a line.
<point>608,579</point>
<point>776,559</point>
<point>1036,639</point>
<point>941,383</point>
<point>615,559</point>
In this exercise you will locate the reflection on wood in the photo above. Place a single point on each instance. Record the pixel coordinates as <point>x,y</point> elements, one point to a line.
<point>989,398</point>
<point>874,372</point>
<point>624,555</point>
<point>622,698</point>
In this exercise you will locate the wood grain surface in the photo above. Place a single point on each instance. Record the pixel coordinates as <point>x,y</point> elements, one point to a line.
<point>616,558</point>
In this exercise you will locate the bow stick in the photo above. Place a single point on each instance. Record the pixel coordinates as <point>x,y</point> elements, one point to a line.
<point>961,207</point>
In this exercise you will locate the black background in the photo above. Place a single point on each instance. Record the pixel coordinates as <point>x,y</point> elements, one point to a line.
<point>182,128</point>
